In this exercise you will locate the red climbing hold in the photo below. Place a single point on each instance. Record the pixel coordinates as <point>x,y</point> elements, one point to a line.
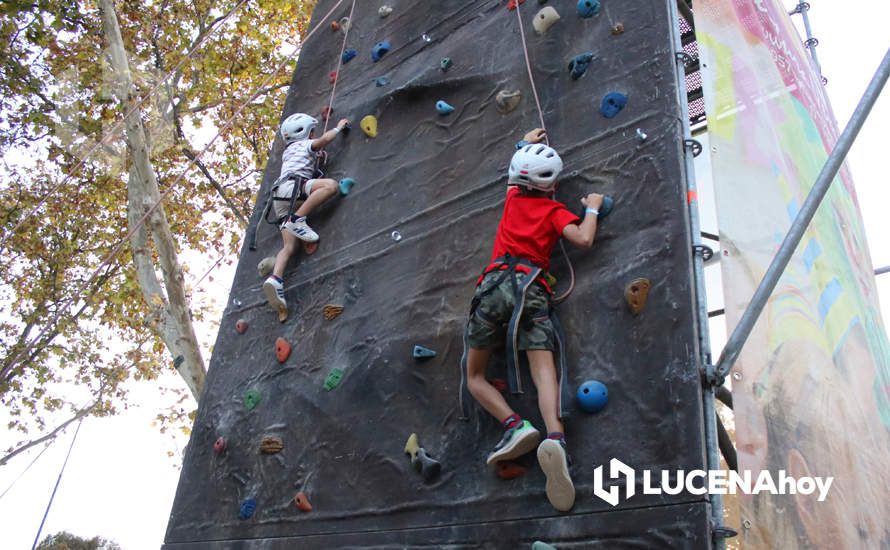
<point>499,384</point>
<point>241,326</point>
<point>326,111</point>
<point>510,470</point>
<point>335,26</point>
<point>310,248</point>
<point>302,502</point>
<point>332,77</point>
<point>219,446</point>
<point>513,4</point>
<point>282,349</point>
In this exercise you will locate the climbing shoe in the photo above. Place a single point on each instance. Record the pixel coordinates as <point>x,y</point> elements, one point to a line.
<point>274,291</point>
<point>554,461</point>
<point>515,443</point>
<point>300,229</point>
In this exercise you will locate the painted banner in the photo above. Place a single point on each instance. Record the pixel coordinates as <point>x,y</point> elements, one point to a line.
<point>812,386</point>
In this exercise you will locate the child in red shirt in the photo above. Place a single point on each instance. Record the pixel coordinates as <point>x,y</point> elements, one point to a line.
<point>531,225</point>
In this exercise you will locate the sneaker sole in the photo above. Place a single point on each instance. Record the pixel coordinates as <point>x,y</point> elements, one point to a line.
<point>520,447</point>
<point>559,488</point>
<point>272,297</point>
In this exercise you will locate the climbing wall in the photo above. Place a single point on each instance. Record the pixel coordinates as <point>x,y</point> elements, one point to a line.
<point>400,254</point>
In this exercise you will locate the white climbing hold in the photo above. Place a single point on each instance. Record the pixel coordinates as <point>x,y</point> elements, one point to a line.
<point>384,11</point>
<point>545,19</point>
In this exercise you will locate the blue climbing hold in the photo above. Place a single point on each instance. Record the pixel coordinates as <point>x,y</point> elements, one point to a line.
<point>445,63</point>
<point>444,108</point>
<point>348,54</point>
<point>380,50</point>
<point>606,207</point>
<point>248,507</point>
<point>578,64</point>
<point>381,81</point>
<point>421,352</point>
<point>592,396</point>
<point>346,186</point>
<point>612,104</point>
<point>588,8</point>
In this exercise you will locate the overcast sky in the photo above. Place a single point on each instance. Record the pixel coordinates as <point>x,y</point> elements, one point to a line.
<point>120,481</point>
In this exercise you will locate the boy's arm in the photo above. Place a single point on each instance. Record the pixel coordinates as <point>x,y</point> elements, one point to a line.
<point>327,137</point>
<point>582,235</point>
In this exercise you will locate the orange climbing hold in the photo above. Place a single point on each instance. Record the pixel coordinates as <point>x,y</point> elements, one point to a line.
<point>302,502</point>
<point>282,349</point>
<point>335,26</point>
<point>510,470</point>
<point>332,77</point>
<point>241,326</point>
<point>513,4</point>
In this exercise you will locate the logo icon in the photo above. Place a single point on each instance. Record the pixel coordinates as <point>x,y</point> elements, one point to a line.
<point>616,469</point>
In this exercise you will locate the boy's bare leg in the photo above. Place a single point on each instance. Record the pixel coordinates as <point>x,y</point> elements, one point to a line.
<point>543,370</point>
<point>487,395</point>
<point>322,190</point>
<point>290,246</point>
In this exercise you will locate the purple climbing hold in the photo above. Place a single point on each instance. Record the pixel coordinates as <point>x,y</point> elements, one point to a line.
<point>248,507</point>
<point>612,104</point>
<point>347,56</point>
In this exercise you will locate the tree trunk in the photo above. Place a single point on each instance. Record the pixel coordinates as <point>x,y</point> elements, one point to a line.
<point>171,316</point>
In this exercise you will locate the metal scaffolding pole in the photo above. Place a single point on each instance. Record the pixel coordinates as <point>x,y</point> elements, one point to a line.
<point>798,227</point>
<point>811,42</point>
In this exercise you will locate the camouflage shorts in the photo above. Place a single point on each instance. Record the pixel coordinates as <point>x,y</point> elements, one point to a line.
<point>488,324</point>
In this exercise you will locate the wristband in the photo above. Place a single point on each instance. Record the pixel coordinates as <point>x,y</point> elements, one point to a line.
<point>336,129</point>
<point>593,211</point>
<point>521,143</point>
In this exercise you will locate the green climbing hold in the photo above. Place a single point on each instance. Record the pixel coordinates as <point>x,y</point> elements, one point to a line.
<point>538,545</point>
<point>421,352</point>
<point>252,399</point>
<point>332,380</point>
<point>445,63</point>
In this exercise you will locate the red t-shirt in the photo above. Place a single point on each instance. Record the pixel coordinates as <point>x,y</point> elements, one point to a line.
<point>530,227</point>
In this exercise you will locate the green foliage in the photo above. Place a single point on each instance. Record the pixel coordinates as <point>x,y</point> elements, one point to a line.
<point>62,142</point>
<point>67,541</point>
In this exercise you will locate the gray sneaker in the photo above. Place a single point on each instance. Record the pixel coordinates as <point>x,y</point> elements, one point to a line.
<point>515,443</point>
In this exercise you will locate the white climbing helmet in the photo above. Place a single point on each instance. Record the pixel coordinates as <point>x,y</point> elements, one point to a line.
<point>297,126</point>
<point>535,165</point>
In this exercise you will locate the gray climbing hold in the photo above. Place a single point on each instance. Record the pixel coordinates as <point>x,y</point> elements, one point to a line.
<point>384,11</point>
<point>381,81</point>
<point>445,63</point>
<point>507,100</point>
<point>641,135</point>
<point>266,266</point>
<point>428,467</point>
<point>421,352</point>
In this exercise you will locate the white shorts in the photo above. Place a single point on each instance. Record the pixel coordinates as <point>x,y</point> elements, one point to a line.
<point>285,190</point>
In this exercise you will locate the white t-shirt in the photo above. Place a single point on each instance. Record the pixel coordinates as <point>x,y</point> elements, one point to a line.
<point>300,158</point>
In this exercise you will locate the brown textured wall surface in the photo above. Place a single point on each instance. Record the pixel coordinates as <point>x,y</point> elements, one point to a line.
<point>439,181</point>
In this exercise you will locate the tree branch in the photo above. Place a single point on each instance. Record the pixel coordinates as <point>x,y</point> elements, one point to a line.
<point>216,185</point>
<point>51,435</point>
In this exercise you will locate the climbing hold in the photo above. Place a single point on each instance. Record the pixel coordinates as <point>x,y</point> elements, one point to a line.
<point>282,311</point>
<point>309,249</point>
<point>617,28</point>
<point>282,349</point>
<point>252,399</point>
<point>513,4</point>
<point>381,81</point>
<point>369,125</point>
<point>345,186</point>
<point>335,26</point>
<point>444,108</point>
<point>332,77</point>
<point>348,55</point>
<point>344,24</point>
<point>538,545</point>
<point>271,445</point>
<point>326,112</point>
<point>219,446</point>
<point>331,312</point>
<point>421,352</point>
<point>384,11</point>
<point>241,326</point>
<point>332,380</point>
<point>507,100</point>
<point>412,445</point>
<point>266,266</point>
<point>592,396</point>
<point>545,19</point>
<point>636,293</point>
<point>606,207</point>
<point>588,8</point>
<point>379,50</point>
<point>641,135</point>
<point>507,469</point>
<point>302,502</point>
<point>428,467</point>
<point>612,104</point>
<point>248,507</point>
<point>445,63</point>
<point>396,236</point>
<point>426,38</point>
<point>578,64</point>
<point>499,384</point>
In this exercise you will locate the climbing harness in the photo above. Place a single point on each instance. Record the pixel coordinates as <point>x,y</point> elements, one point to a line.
<point>522,275</point>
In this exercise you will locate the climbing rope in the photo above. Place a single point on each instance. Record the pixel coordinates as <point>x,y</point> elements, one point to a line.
<point>78,292</point>
<point>330,110</point>
<point>119,124</point>
<point>562,297</point>
<point>56,487</point>
<point>25,471</point>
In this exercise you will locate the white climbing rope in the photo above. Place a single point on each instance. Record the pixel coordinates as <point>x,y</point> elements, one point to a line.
<point>330,111</point>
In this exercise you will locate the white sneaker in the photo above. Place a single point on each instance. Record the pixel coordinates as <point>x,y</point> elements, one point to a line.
<point>300,229</point>
<point>554,461</point>
<point>274,291</point>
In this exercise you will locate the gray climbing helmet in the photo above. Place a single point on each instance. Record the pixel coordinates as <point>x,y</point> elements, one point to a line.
<point>297,127</point>
<point>536,166</point>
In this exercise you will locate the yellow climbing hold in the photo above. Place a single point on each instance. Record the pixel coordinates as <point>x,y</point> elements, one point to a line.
<point>369,125</point>
<point>412,445</point>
